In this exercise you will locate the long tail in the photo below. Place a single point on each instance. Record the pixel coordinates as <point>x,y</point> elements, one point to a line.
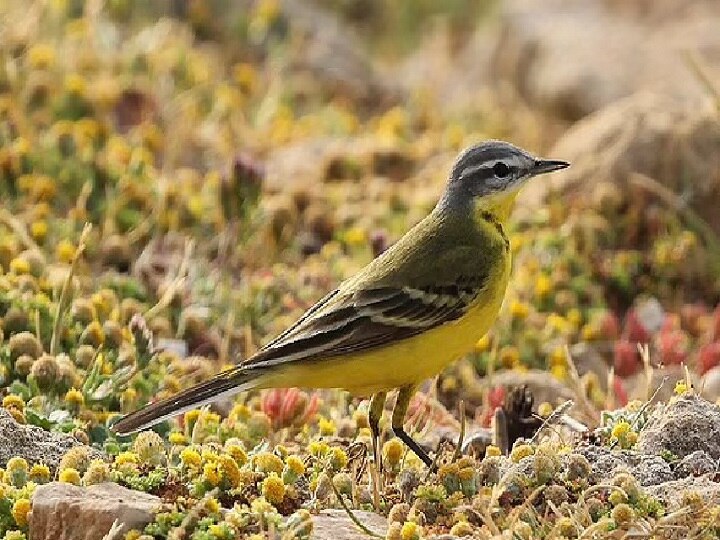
<point>224,384</point>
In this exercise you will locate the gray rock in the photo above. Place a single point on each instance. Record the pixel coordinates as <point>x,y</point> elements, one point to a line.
<point>683,426</point>
<point>66,512</point>
<point>337,525</point>
<point>646,135</point>
<point>607,462</point>
<point>671,493</point>
<point>695,464</point>
<point>327,56</point>
<point>34,444</point>
<point>710,384</point>
<point>571,57</point>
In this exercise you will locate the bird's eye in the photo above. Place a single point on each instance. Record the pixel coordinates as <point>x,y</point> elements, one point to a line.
<point>501,170</point>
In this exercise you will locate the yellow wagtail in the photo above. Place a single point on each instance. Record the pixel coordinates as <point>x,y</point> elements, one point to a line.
<point>414,309</point>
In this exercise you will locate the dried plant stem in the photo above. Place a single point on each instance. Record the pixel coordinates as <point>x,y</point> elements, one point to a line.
<point>19,229</point>
<point>461,437</point>
<point>351,515</point>
<point>64,301</point>
<point>115,531</point>
<point>175,285</point>
<point>593,416</point>
<point>699,69</point>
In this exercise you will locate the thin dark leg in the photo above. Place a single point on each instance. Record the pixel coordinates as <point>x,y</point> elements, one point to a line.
<point>377,406</point>
<point>398,418</point>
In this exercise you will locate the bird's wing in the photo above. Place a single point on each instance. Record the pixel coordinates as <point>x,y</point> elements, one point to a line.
<point>375,312</point>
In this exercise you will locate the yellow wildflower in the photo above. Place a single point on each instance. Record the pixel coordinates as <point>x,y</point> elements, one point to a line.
<point>273,489</point>
<point>326,427</point>
<point>621,429</point>
<point>127,457</point>
<point>13,401</point>
<point>295,464</point>
<point>69,476</point>
<point>266,462</point>
<point>20,511</point>
<point>177,438</point>
<point>74,398</point>
<point>190,458</point>
<point>40,473</point>
<point>211,473</point>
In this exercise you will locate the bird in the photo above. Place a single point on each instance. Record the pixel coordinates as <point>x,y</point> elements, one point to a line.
<point>417,307</point>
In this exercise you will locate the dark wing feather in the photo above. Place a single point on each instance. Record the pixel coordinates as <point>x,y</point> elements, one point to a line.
<point>367,319</point>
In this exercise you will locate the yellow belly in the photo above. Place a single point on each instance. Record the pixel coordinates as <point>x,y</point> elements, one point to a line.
<point>409,361</point>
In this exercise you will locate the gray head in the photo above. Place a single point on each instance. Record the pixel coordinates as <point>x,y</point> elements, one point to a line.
<point>494,168</point>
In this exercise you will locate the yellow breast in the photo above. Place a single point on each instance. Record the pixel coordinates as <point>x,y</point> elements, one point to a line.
<point>409,361</point>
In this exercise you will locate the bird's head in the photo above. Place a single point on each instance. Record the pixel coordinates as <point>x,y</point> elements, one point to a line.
<point>489,175</point>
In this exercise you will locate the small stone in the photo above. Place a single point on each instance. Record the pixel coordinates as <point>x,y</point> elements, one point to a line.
<point>34,444</point>
<point>336,525</point>
<point>66,512</point>
<point>695,464</point>
<point>683,426</point>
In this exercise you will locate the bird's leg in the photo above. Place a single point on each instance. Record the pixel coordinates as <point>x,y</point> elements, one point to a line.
<point>377,406</point>
<point>398,418</point>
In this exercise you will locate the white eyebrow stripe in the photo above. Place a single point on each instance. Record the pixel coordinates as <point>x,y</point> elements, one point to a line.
<point>511,161</point>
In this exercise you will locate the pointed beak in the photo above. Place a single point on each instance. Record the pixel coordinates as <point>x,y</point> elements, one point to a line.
<point>543,166</point>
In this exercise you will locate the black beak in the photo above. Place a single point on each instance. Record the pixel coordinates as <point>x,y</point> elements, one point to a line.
<point>543,166</point>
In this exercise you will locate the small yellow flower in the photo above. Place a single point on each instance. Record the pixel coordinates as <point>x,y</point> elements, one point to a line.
<point>545,409</point>
<point>230,470</point>
<point>40,473</point>
<point>177,438</point>
<point>127,457</point>
<point>190,458</point>
<point>19,266</point>
<point>296,465</point>
<point>327,427</point>
<point>192,416</point>
<point>410,531</point>
<point>211,473</point>
<point>245,76</point>
<point>212,505</point>
<point>238,453</point>
<point>318,448</point>
<point>492,450</point>
<point>509,356</point>
<point>13,401</point>
<point>20,511</point>
<point>238,412</point>
<point>273,489</point>
<point>267,462</point>
<point>338,458</point>
<point>621,429</point>
<point>39,230</point>
<point>69,476</point>
<point>393,451</point>
<point>16,464</point>
<point>519,310</point>
<point>559,372</point>
<point>543,286</point>
<point>521,451</point>
<point>41,56</point>
<point>74,398</point>
<point>75,84</point>
<point>681,388</point>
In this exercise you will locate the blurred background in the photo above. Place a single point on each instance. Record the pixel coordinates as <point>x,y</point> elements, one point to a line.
<point>238,159</point>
